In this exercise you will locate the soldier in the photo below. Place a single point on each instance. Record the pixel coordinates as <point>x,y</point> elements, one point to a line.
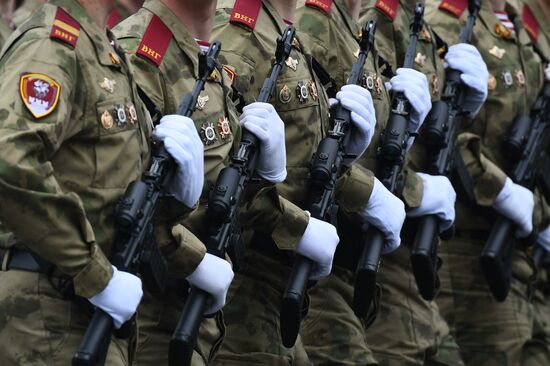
<point>248,30</point>
<point>332,334</point>
<point>495,332</point>
<point>409,329</point>
<point>74,134</point>
<point>166,74</point>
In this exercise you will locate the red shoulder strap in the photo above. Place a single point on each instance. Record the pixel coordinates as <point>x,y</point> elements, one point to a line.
<point>388,7</point>
<point>323,5</point>
<point>245,12</point>
<point>530,23</point>
<point>65,28</point>
<point>454,7</point>
<point>155,41</point>
<point>114,18</point>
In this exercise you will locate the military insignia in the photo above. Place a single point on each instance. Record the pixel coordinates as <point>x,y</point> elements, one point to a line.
<point>208,134</point>
<point>497,52</point>
<point>388,7</point>
<point>520,78</point>
<point>323,5</point>
<point>502,31</point>
<point>155,41</point>
<point>367,81</point>
<point>454,7</point>
<point>301,92</point>
<point>65,28</point>
<point>132,114</point>
<point>245,13</point>
<point>120,115</point>
<point>114,58</point>
<point>201,102</point>
<point>40,93</point>
<point>425,34</point>
<point>285,94</point>
<point>107,120</point>
<point>507,79</point>
<point>213,76</point>
<point>420,59</point>
<point>312,89</point>
<point>230,73</point>
<point>492,82</point>
<point>434,84</point>
<point>224,129</point>
<point>356,53</point>
<point>530,23</point>
<point>108,85</point>
<point>292,63</point>
<point>296,44</point>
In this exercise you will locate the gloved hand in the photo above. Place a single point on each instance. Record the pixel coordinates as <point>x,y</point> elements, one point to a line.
<point>387,213</point>
<point>319,244</point>
<point>262,120</point>
<point>359,102</point>
<point>547,73</point>
<point>543,239</point>
<point>438,199</point>
<point>213,275</point>
<point>181,140</point>
<point>467,59</point>
<point>414,85</point>
<point>516,203</point>
<point>120,298</point>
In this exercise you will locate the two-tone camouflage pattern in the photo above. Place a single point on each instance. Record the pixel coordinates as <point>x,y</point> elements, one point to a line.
<point>25,10</point>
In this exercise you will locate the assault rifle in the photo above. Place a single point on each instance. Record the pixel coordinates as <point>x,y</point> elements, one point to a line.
<point>223,211</point>
<point>137,252</point>
<point>526,146</point>
<point>391,156</point>
<point>326,167</point>
<point>440,133</point>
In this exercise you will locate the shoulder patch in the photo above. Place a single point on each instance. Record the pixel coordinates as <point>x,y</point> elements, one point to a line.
<point>323,5</point>
<point>530,23</point>
<point>65,28</point>
<point>40,93</point>
<point>454,7</point>
<point>245,12</point>
<point>155,41</point>
<point>388,7</point>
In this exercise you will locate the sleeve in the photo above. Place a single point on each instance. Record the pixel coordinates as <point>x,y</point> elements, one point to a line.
<point>353,188</point>
<point>32,197</point>
<point>487,176</point>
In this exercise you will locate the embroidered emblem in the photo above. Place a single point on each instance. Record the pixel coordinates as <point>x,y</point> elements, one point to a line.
<point>40,93</point>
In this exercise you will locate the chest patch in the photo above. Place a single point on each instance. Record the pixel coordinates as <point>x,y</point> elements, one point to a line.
<point>40,93</point>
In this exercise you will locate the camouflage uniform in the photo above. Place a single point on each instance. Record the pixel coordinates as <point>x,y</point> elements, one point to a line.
<point>537,350</point>
<point>5,31</point>
<point>408,329</point>
<point>24,12</point>
<point>332,333</point>
<point>495,332</point>
<point>66,159</point>
<point>252,311</point>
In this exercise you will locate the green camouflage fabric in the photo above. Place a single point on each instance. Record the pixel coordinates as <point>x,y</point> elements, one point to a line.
<point>61,175</point>
<point>25,10</point>
<point>5,31</point>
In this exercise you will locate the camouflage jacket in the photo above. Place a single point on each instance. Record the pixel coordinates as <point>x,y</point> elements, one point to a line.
<point>535,21</point>
<point>299,97</point>
<point>73,134</point>
<point>5,31</point>
<point>24,12</point>
<point>515,80</point>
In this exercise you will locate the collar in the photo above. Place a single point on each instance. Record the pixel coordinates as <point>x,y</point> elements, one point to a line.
<point>345,15</point>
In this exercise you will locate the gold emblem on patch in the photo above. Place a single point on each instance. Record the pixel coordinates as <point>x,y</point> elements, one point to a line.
<point>201,102</point>
<point>497,52</point>
<point>224,129</point>
<point>296,44</point>
<point>312,89</point>
<point>502,31</point>
<point>292,63</point>
<point>492,82</point>
<point>420,59</point>
<point>108,85</point>
<point>107,120</point>
<point>213,76</point>
<point>520,78</point>
<point>114,58</point>
<point>285,94</point>
<point>425,34</point>
<point>356,53</point>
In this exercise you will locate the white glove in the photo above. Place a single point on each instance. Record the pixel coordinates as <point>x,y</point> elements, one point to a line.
<point>120,298</point>
<point>467,59</point>
<point>319,244</point>
<point>262,120</point>
<point>387,213</point>
<point>516,203</point>
<point>181,140</point>
<point>438,199</point>
<point>414,85</point>
<point>543,239</point>
<point>213,275</point>
<point>547,73</point>
<point>359,102</point>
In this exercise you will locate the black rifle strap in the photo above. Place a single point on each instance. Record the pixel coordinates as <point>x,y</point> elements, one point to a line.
<point>441,46</point>
<point>463,181</point>
<point>328,81</point>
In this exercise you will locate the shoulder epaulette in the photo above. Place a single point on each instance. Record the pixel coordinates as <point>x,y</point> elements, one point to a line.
<point>530,23</point>
<point>323,5</point>
<point>114,18</point>
<point>454,7</point>
<point>388,7</point>
<point>245,12</point>
<point>65,28</point>
<point>155,41</point>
